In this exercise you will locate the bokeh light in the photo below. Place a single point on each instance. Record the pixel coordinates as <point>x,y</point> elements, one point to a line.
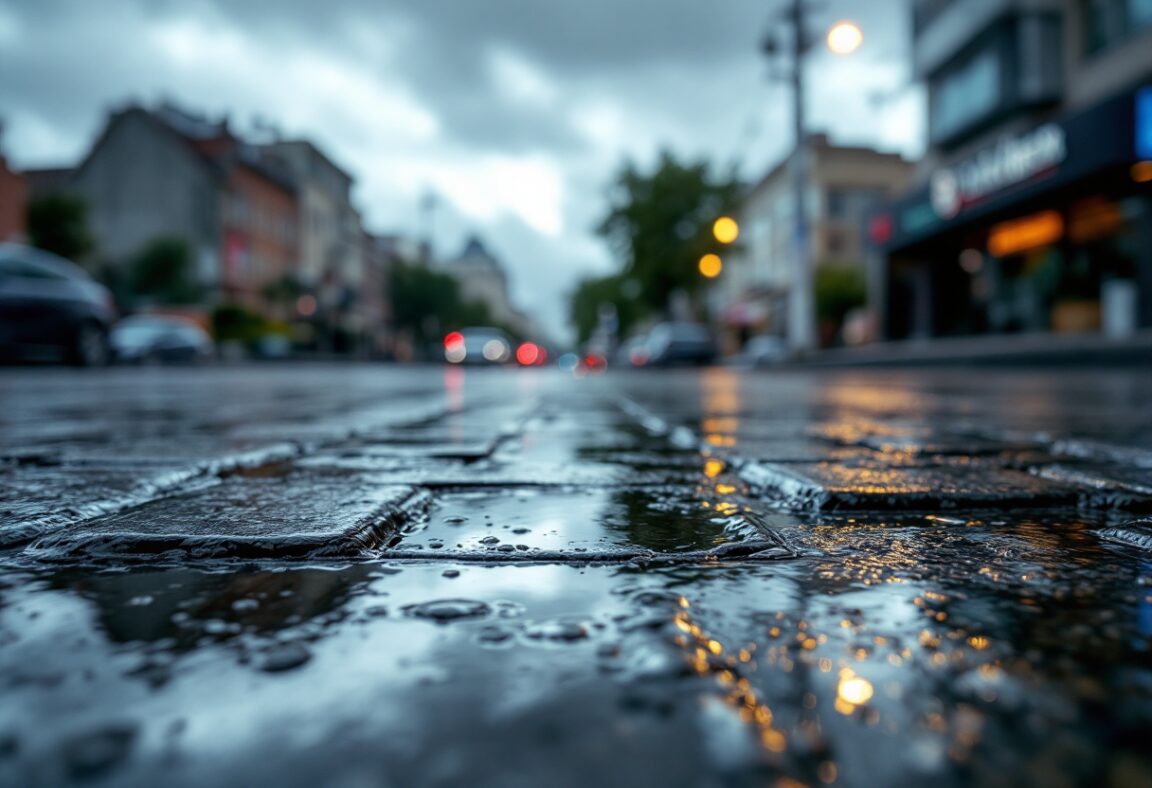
<point>710,266</point>
<point>844,38</point>
<point>725,229</point>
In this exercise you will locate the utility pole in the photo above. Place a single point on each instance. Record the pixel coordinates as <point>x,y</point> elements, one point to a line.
<point>801,309</point>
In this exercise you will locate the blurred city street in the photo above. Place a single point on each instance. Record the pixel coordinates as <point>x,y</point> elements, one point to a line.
<point>354,575</point>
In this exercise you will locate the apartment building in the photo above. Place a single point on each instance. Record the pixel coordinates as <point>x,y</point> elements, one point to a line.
<point>846,186</point>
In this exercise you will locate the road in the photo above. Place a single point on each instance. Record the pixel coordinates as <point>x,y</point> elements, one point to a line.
<point>352,575</point>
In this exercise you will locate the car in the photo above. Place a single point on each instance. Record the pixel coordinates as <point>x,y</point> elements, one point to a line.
<point>669,344</point>
<point>160,339</point>
<point>51,309</point>
<point>480,345</point>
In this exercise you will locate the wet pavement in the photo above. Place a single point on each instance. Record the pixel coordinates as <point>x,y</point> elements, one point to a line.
<point>362,576</point>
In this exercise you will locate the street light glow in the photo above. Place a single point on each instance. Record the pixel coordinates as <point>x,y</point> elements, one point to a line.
<point>725,229</point>
<point>844,38</point>
<point>711,266</point>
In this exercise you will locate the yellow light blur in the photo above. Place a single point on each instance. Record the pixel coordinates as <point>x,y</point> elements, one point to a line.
<point>845,37</point>
<point>855,690</point>
<point>1020,235</point>
<point>1142,172</point>
<point>710,266</point>
<point>725,229</point>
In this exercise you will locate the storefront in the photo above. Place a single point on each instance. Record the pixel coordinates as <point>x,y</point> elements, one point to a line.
<point>1046,230</point>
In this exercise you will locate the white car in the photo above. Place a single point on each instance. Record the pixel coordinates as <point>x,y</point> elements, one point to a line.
<point>160,338</point>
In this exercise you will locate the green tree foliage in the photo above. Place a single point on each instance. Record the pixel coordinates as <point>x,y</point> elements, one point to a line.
<point>428,304</point>
<point>839,288</point>
<point>232,323</point>
<point>591,294</point>
<point>163,271</point>
<point>58,223</point>
<point>659,224</point>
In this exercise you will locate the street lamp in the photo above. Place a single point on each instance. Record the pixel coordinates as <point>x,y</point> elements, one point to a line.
<point>710,266</point>
<point>844,37</point>
<point>725,230</point>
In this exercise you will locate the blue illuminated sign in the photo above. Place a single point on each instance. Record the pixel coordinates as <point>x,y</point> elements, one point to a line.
<point>1144,123</point>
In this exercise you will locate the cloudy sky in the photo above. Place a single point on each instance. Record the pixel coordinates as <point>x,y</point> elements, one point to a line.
<point>515,112</point>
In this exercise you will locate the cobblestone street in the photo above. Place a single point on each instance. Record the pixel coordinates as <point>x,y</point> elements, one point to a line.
<point>348,575</point>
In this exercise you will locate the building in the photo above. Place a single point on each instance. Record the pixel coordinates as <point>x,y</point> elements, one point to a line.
<point>331,242</point>
<point>143,179</point>
<point>846,185</point>
<point>258,254</point>
<point>1033,209</point>
<point>167,173</point>
<point>380,254</point>
<point>13,202</point>
<point>482,279</point>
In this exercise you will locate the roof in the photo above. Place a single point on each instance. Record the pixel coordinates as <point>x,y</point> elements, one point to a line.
<point>818,143</point>
<point>312,150</point>
<point>475,252</point>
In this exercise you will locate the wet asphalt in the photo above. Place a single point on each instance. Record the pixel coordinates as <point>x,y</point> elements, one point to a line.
<point>354,575</point>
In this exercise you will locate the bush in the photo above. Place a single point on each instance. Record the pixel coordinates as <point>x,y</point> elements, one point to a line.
<point>838,290</point>
<point>231,323</point>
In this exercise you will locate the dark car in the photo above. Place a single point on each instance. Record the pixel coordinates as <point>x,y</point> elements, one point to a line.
<point>160,338</point>
<point>50,309</point>
<point>482,345</point>
<point>679,343</point>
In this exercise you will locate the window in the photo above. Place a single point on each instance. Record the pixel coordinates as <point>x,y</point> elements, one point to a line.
<point>1108,23</point>
<point>1140,13</point>
<point>966,93</point>
<point>838,204</point>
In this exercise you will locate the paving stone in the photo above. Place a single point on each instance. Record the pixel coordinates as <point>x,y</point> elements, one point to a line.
<point>668,519</point>
<point>1104,485</point>
<point>449,474</point>
<point>941,445</point>
<point>829,486</point>
<point>1103,452</point>
<point>292,515</point>
<point>37,500</point>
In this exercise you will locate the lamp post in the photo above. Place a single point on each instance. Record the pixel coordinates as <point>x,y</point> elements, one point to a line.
<point>843,38</point>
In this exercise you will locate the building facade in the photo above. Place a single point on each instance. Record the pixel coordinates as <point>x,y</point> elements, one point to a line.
<point>846,185</point>
<point>13,201</point>
<point>1033,208</point>
<point>144,179</point>
<point>166,173</point>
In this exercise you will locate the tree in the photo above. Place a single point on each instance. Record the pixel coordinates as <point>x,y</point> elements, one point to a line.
<point>591,294</point>
<point>163,271</point>
<point>58,223</point>
<point>660,223</point>
<point>428,303</point>
<point>839,288</point>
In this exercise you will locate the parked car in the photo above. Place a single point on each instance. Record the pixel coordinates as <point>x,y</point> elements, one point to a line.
<point>160,338</point>
<point>50,309</point>
<point>482,345</point>
<point>680,343</point>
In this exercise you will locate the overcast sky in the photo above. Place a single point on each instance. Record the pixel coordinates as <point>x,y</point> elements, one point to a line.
<point>515,112</point>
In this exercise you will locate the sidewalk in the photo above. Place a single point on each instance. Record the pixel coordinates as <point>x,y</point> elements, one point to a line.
<point>1028,349</point>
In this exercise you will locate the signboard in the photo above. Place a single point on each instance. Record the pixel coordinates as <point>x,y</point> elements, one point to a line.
<point>1144,123</point>
<point>1011,161</point>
